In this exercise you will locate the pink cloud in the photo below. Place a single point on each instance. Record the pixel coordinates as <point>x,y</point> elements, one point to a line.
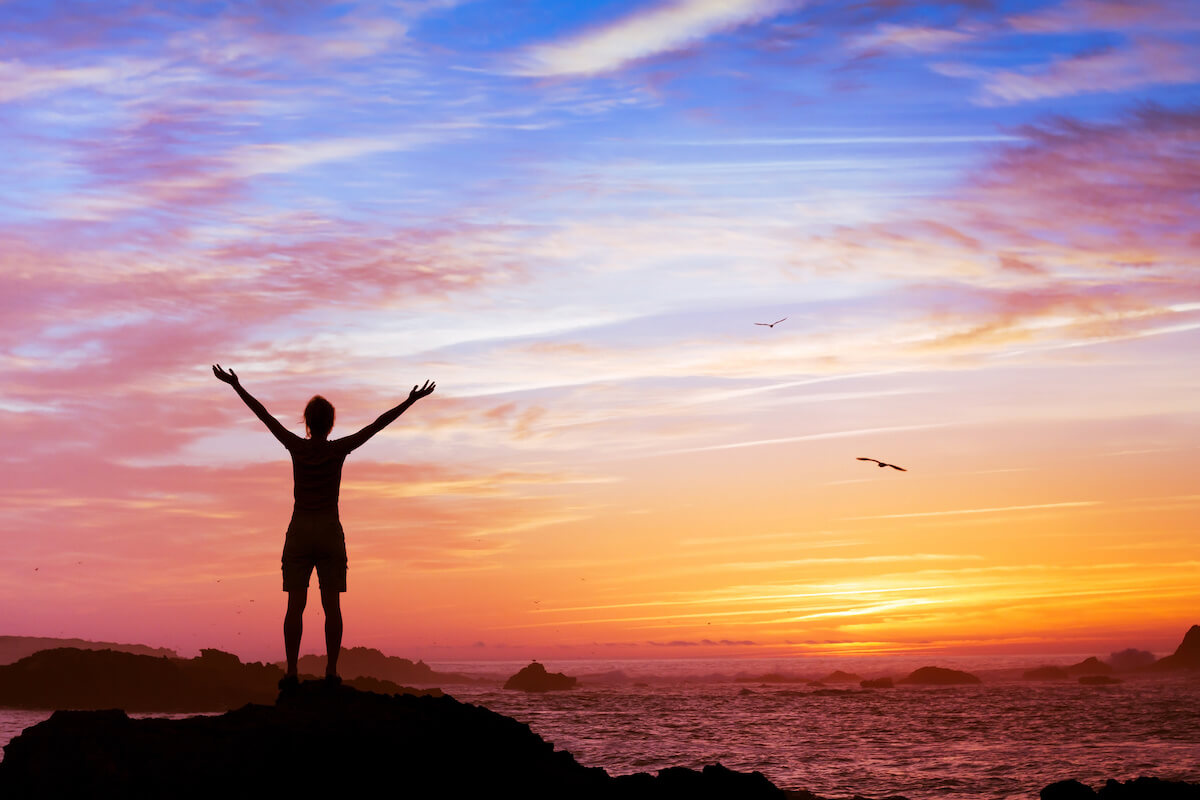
<point>918,38</point>
<point>1113,15</point>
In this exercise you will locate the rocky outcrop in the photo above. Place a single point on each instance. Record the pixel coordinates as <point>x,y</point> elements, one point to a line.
<point>14,648</point>
<point>535,678</point>
<point>1047,673</point>
<point>877,683</point>
<point>322,739</point>
<point>1136,789</point>
<point>1089,666</point>
<point>354,662</point>
<point>88,679</point>
<point>1186,656</point>
<point>939,676</point>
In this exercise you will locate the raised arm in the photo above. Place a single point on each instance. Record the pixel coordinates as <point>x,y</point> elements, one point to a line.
<point>281,433</point>
<point>388,417</point>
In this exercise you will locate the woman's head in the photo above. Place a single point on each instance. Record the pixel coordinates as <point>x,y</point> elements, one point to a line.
<point>318,417</point>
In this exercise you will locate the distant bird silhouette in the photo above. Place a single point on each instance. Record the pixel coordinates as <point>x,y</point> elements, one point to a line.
<point>882,464</point>
<point>770,324</point>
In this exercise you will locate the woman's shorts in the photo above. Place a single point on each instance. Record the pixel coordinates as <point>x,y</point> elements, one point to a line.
<point>314,542</point>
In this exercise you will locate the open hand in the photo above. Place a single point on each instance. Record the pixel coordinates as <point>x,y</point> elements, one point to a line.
<point>230,377</point>
<point>417,393</point>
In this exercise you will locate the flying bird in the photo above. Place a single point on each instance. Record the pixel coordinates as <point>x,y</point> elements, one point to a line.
<point>770,324</point>
<point>882,464</point>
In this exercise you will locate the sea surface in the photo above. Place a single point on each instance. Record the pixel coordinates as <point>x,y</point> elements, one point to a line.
<point>1006,738</point>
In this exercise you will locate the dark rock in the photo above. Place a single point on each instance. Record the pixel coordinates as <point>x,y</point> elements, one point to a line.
<point>939,676</point>
<point>322,739</point>
<point>1149,789</point>
<point>1131,659</point>
<point>877,683</point>
<point>1047,673</point>
<point>1099,680</point>
<point>14,648</point>
<point>534,678</point>
<point>1089,666</point>
<point>354,662</point>
<point>1136,789</point>
<point>1067,790</point>
<point>744,692</point>
<point>1186,656</point>
<point>91,679</point>
<point>367,684</point>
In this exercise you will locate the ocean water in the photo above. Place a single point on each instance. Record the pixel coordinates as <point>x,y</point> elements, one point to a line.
<point>1004,739</point>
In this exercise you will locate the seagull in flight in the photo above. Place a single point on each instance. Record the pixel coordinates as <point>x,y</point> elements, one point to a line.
<point>770,324</point>
<point>882,464</point>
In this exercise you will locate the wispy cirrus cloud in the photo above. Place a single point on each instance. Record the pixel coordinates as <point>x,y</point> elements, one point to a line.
<point>1110,15</point>
<point>663,28</point>
<point>917,38</point>
<point>1145,63</point>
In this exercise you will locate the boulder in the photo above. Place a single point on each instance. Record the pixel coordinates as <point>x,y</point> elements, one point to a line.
<point>939,676</point>
<point>877,683</point>
<point>535,678</point>
<point>321,739</point>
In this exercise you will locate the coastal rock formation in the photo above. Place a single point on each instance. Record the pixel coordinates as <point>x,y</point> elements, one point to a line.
<point>877,683</point>
<point>1186,656</point>
<point>1131,659</point>
<point>939,676</point>
<point>535,678</point>
<point>14,648</point>
<point>354,662</point>
<point>1089,666</point>
<point>67,677</point>
<point>321,739</point>
<point>1047,673</point>
<point>1136,789</point>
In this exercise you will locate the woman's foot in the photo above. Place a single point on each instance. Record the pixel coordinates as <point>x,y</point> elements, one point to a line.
<point>289,683</point>
<point>333,680</point>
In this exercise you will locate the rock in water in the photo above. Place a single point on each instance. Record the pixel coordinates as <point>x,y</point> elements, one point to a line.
<point>325,739</point>
<point>939,676</point>
<point>1089,666</point>
<point>1186,656</point>
<point>534,678</point>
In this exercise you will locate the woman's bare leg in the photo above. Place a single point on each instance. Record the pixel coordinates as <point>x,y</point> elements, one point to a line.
<point>331,601</point>
<point>293,627</point>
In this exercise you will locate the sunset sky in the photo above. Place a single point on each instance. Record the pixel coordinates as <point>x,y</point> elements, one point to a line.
<point>979,220</point>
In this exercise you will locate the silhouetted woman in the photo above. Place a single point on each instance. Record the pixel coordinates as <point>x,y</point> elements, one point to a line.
<point>314,536</point>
